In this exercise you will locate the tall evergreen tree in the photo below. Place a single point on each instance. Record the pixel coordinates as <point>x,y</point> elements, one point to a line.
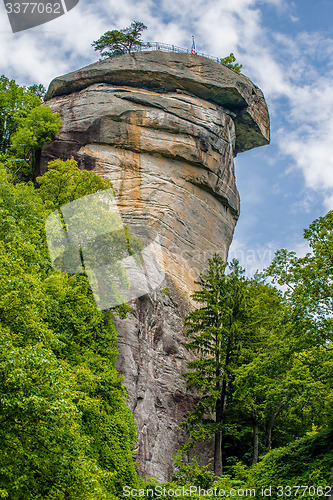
<point>216,330</point>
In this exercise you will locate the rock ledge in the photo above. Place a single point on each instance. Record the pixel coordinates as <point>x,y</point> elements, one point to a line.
<point>187,73</point>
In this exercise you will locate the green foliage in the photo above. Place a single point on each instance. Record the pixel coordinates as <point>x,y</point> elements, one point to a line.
<point>306,461</point>
<point>284,392</point>
<point>115,42</point>
<point>226,332</point>
<point>40,425</point>
<point>38,89</point>
<point>287,387</point>
<point>65,182</point>
<point>260,384</point>
<point>37,128</point>
<point>24,126</point>
<point>309,283</point>
<point>15,104</point>
<point>65,430</point>
<point>185,488</point>
<point>191,472</point>
<point>230,62</point>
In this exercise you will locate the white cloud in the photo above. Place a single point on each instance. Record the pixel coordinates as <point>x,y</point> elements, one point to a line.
<point>252,259</point>
<point>259,256</point>
<point>296,73</point>
<point>219,27</point>
<point>306,136</point>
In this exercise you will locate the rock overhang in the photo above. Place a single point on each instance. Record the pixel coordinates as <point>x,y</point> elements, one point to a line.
<point>187,73</point>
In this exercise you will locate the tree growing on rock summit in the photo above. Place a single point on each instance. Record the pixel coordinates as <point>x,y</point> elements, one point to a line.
<point>117,42</point>
<point>230,62</point>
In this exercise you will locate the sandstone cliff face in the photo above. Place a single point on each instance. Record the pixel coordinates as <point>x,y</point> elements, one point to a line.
<point>164,128</point>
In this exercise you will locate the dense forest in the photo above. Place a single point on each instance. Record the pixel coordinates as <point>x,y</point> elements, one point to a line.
<point>263,345</point>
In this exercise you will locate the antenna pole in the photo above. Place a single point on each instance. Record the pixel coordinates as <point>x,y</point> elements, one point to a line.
<point>193,46</point>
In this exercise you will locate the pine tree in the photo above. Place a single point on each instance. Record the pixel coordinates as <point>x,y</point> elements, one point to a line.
<point>117,42</point>
<point>216,333</point>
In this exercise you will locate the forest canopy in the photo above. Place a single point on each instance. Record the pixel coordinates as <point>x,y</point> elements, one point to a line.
<point>64,423</point>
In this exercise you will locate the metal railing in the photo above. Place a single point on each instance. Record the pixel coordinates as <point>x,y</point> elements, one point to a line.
<point>165,47</point>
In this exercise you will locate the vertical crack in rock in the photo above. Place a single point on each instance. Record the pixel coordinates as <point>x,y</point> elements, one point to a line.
<point>165,128</point>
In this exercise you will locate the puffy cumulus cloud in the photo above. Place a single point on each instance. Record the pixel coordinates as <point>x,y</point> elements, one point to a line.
<point>39,54</point>
<point>61,45</point>
<point>312,155</point>
<point>64,44</point>
<point>295,74</point>
<point>306,135</point>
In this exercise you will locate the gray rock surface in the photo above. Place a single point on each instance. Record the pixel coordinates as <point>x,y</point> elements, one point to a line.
<point>164,128</point>
<point>189,73</point>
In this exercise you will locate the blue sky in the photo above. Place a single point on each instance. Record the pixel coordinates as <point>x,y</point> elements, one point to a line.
<point>286,48</point>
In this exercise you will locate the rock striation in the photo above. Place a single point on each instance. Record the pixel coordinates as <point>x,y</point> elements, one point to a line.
<point>165,128</point>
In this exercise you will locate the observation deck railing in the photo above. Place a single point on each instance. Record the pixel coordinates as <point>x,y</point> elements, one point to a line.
<point>165,47</point>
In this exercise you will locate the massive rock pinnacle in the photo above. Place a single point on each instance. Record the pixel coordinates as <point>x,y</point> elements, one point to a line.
<point>164,127</point>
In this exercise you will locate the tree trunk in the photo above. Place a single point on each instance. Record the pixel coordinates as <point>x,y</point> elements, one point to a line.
<point>271,424</point>
<point>218,438</point>
<point>269,437</point>
<point>218,454</point>
<point>219,409</point>
<point>255,443</point>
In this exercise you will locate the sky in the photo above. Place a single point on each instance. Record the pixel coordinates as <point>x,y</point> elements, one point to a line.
<point>285,47</point>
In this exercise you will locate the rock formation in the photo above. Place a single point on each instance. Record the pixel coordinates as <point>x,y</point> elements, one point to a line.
<point>164,127</point>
